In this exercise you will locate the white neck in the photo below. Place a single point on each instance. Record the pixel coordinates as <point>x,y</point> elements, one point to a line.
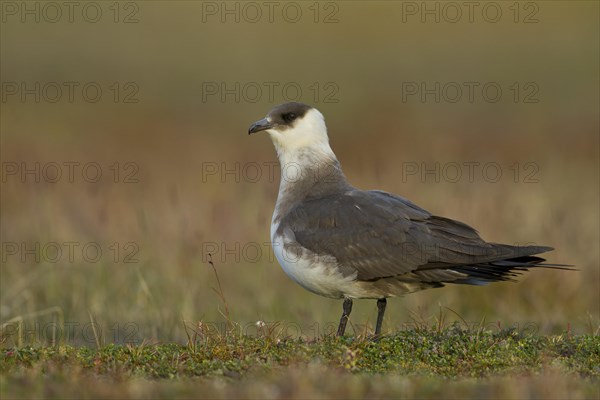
<point>308,165</point>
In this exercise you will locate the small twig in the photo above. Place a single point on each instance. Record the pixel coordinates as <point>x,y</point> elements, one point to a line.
<point>191,343</point>
<point>440,324</point>
<point>220,292</point>
<point>459,316</point>
<point>96,337</point>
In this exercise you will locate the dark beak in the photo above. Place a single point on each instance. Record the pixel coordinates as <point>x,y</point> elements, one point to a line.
<point>258,126</point>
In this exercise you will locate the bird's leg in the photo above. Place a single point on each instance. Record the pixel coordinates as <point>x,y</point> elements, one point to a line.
<point>345,315</point>
<point>381,303</point>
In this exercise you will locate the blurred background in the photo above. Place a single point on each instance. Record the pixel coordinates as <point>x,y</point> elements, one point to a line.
<point>126,159</point>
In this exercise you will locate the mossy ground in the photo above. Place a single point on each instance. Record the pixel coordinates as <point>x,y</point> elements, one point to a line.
<point>242,366</point>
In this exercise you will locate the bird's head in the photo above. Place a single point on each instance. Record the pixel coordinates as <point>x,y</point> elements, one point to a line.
<point>294,127</point>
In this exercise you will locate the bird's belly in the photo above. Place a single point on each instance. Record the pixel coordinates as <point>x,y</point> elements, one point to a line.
<point>312,275</point>
<point>318,274</point>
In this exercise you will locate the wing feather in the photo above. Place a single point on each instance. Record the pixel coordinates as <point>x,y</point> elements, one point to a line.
<point>378,235</point>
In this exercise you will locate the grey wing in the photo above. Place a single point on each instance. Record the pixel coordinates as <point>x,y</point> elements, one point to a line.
<point>378,235</point>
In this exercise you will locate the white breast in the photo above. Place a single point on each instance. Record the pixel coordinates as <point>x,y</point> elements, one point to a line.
<point>318,274</point>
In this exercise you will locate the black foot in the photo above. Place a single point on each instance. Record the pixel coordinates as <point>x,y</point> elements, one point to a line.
<point>381,303</point>
<point>345,315</point>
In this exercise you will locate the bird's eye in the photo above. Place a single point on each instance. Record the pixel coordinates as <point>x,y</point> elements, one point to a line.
<point>289,117</point>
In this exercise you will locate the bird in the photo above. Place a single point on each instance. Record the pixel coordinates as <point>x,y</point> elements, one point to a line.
<point>341,242</point>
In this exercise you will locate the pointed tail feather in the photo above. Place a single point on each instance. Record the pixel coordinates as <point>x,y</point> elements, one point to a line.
<point>506,269</point>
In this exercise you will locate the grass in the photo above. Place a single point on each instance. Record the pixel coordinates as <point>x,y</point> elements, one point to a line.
<point>225,361</point>
<point>453,355</point>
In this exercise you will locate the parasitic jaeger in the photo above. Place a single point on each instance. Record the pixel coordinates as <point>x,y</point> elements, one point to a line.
<point>342,242</point>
